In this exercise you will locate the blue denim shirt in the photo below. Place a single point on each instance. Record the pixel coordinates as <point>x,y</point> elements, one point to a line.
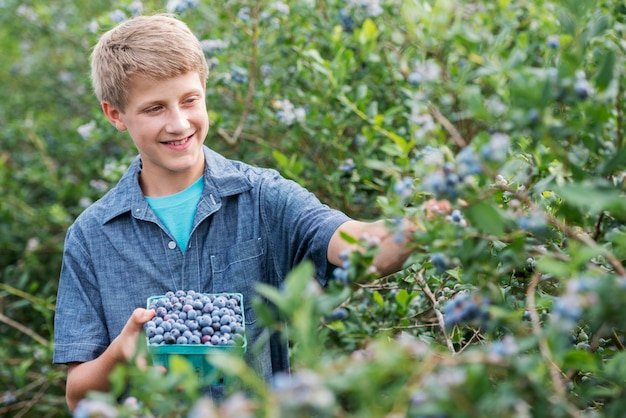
<point>251,226</point>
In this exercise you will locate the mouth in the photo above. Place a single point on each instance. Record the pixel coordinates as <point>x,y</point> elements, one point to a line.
<point>178,142</point>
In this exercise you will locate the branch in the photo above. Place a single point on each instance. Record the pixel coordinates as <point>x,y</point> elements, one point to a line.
<point>458,139</point>
<point>251,82</point>
<point>23,329</point>
<point>570,232</point>
<point>544,348</point>
<point>442,324</point>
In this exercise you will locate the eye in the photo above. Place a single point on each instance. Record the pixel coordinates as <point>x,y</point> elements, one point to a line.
<point>153,109</point>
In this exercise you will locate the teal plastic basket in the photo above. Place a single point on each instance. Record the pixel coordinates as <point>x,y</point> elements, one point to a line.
<point>197,354</point>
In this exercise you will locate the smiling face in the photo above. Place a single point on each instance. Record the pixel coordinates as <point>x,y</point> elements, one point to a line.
<point>168,123</point>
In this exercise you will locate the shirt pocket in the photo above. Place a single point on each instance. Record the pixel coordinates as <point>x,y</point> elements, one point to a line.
<point>237,269</point>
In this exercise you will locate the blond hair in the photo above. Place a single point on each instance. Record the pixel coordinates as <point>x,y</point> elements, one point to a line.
<point>157,47</point>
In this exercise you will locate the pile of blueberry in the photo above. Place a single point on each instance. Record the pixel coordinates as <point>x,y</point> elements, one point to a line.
<point>189,317</point>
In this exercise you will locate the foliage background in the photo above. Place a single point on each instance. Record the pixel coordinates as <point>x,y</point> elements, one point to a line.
<point>510,110</point>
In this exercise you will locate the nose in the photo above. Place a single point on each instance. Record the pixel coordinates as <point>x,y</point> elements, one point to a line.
<point>177,121</point>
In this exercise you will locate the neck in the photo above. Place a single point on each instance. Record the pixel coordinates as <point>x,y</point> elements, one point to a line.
<point>158,186</point>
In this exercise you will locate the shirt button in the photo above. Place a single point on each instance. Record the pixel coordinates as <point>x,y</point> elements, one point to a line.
<point>171,245</point>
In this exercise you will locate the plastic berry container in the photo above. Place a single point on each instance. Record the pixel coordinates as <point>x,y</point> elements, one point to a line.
<point>231,336</point>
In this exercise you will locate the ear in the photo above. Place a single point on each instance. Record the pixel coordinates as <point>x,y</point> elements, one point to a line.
<point>114,115</point>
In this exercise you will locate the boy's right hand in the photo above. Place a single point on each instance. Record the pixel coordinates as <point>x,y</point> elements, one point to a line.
<point>126,342</point>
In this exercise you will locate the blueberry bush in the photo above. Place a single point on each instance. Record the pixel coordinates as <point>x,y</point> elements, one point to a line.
<point>497,127</point>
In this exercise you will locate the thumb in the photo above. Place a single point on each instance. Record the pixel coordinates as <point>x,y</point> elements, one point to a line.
<point>140,316</point>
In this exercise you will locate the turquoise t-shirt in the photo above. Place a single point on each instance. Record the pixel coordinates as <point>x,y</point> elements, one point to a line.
<point>177,211</point>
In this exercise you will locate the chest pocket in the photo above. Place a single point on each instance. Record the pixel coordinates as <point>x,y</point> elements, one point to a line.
<point>237,269</point>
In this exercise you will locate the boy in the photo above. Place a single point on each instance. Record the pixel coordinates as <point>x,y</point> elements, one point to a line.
<point>182,217</point>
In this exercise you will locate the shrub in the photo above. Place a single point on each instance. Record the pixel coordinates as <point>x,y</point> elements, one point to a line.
<point>496,126</point>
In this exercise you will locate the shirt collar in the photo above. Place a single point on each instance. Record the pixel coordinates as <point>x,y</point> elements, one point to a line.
<point>222,177</point>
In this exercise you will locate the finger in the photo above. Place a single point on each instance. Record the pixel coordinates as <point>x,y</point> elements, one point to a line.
<point>140,315</point>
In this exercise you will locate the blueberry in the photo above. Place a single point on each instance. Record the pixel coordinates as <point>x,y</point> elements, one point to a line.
<point>439,261</point>
<point>238,339</point>
<point>553,42</point>
<point>204,321</point>
<point>182,340</point>
<point>220,302</point>
<point>194,339</point>
<point>157,339</point>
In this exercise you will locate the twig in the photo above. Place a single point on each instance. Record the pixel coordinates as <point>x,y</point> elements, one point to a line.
<point>618,341</point>
<point>34,401</point>
<point>458,139</point>
<point>251,81</point>
<point>570,232</point>
<point>23,329</point>
<point>433,301</point>
<point>544,349</point>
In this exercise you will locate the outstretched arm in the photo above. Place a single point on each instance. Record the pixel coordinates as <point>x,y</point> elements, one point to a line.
<point>94,375</point>
<point>393,252</point>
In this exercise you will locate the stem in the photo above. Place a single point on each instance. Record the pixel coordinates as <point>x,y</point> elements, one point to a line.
<point>544,348</point>
<point>442,323</point>
<point>458,139</point>
<point>231,140</point>
<point>570,232</point>
<point>23,329</point>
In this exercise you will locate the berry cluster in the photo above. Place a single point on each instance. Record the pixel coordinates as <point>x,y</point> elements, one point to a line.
<point>196,318</point>
<point>464,308</point>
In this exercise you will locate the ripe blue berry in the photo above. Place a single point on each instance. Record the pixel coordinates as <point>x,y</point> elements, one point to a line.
<point>194,318</point>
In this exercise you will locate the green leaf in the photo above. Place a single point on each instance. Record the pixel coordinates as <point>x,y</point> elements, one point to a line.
<point>485,218</point>
<point>606,70</point>
<point>369,31</point>
<point>378,299</point>
<point>553,267</point>
<point>272,294</point>
<point>593,198</point>
<point>402,298</point>
<point>580,360</point>
<point>616,367</point>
